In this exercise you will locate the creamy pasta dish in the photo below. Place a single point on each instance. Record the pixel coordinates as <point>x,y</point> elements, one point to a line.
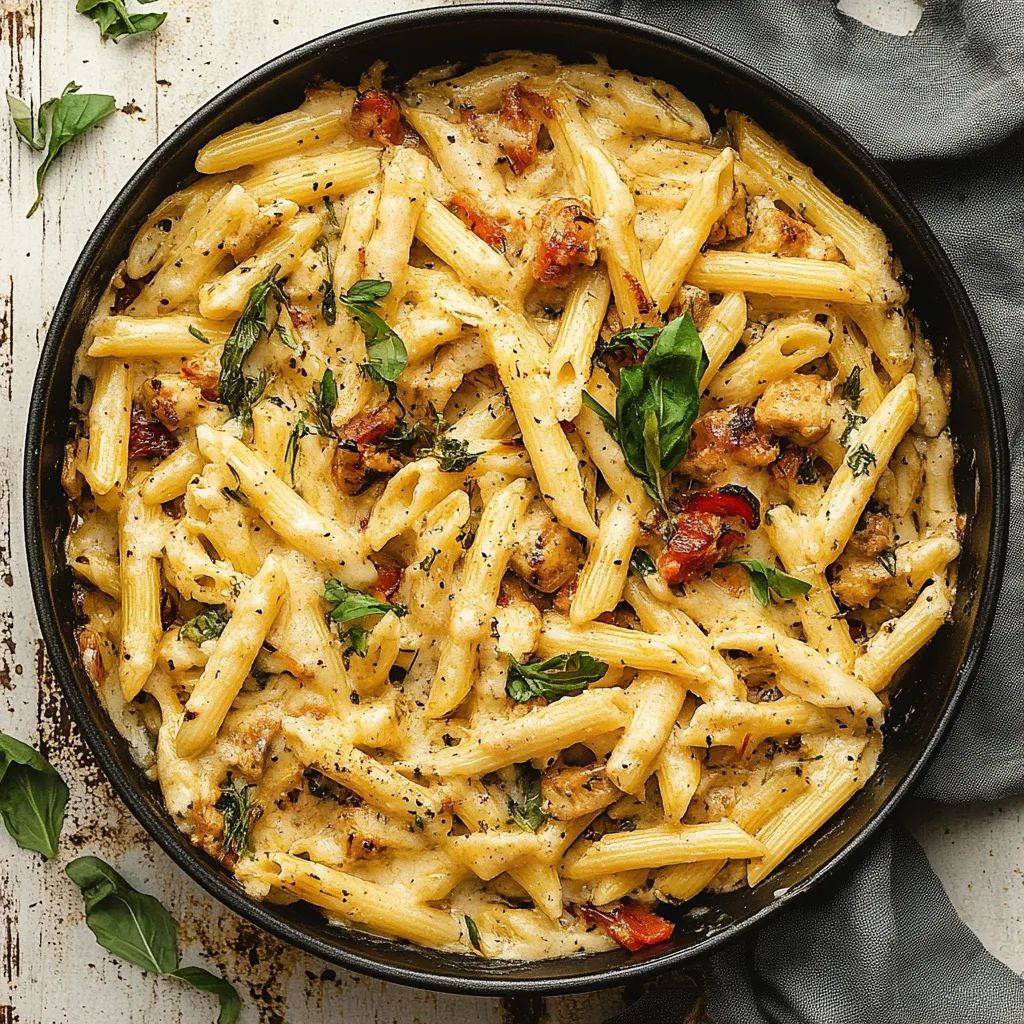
<point>502,503</point>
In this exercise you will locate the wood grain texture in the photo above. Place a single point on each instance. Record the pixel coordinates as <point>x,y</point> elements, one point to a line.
<point>51,969</point>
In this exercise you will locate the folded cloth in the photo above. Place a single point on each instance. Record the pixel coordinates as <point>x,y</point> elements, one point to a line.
<point>944,109</point>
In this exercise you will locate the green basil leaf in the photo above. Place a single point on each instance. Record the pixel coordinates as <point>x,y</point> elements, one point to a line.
<point>765,578</point>
<point>33,797</point>
<point>638,336</point>
<point>291,449</point>
<point>652,456</point>
<point>554,678</point>
<point>851,389</point>
<point>64,119</point>
<point>113,18</point>
<point>861,460</point>
<point>24,123</point>
<point>240,814</point>
<point>131,925</point>
<point>602,413</point>
<point>323,396</point>
<point>368,291</point>
<point>198,334</point>
<point>528,814</point>
<point>641,563</point>
<point>202,979</point>
<point>385,350</point>
<point>474,933</point>
<point>358,641</point>
<point>236,390</point>
<point>887,560</point>
<point>207,625</point>
<point>352,604</point>
<point>854,421</point>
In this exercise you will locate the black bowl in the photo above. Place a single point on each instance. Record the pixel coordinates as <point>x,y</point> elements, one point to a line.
<point>922,706</point>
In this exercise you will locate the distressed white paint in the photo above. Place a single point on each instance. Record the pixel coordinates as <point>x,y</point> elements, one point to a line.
<point>52,970</point>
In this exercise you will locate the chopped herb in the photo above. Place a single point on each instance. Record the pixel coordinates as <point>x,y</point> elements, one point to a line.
<point>323,396</point>
<point>136,927</point>
<point>641,563</point>
<point>861,460</point>
<point>657,404</point>
<point>528,813</point>
<point>628,825</point>
<point>284,332</point>
<point>358,641</point>
<point>331,215</point>
<point>854,421</point>
<point>851,389</point>
<point>807,473</point>
<point>238,392</point>
<point>207,625</point>
<point>452,453</point>
<point>765,578</point>
<point>638,337</point>
<point>58,121</point>
<point>329,305</point>
<point>33,797</point>
<point>887,560</point>
<point>196,333</point>
<point>291,449</point>
<point>113,18</point>
<point>240,814</point>
<point>474,933</point>
<point>385,350</point>
<point>352,604</point>
<point>428,561</point>
<point>554,678</point>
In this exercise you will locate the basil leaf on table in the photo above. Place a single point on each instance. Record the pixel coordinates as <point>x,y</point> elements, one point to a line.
<point>59,121</point>
<point>113,18</point>
<point>558,676</point>
<point>765,578</point>
<point>657,404</point>
<point>136,927</point>
<point>33,797</point>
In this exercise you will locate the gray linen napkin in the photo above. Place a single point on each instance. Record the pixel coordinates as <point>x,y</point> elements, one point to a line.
<point>944,108</point>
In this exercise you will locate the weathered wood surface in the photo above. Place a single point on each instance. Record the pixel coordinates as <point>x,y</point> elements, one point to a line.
<point>51,970</point>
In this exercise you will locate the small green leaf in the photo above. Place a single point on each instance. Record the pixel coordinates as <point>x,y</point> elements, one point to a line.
<point>240,814</point>
<point>385,350</point>
<point>207,625</point>
<point>352,604</point>
<point>428,560</point>
<point>323,396</point>
<point>641,563</point>
<point>554,678</point>
<point>284,332</point>
<point>765,578</point>
<point>474,933</point>
<point>202,979</point>
<point>358,641</point>
<point>114,21</point>
<point>602,413</point>
<point>851,389</point>
<point>887,560</point>
<point>291,449</point>
<point>638,337</point>
<point>198,334</point>
<point>528,814</point>
<point>134,926</point>
<point>24,123</point>
<point>854,421</point>
<point>33,797</point>
<point>861,460</point>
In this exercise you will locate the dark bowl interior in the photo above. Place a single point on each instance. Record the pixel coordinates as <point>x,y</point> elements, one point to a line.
<point>922,706</point>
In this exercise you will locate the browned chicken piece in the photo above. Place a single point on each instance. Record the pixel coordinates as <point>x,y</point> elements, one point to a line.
<point>358,453</point>
<point>173,400</point>
<point>203,370</point>
<point>723,435</point>
<point>572,792</point>
<point>873,535</point>
<point>798,407</point>
<point>774,231</point>
<point>567,240</point>
<point>857,579</point>
<point>546,554</point>
<point>733,223</point>
<point>692,300</point>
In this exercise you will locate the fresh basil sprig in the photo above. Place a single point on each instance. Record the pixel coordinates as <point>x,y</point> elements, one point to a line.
<point>239,392</point>
<point>207,625</point>
<point>136,927</point>
<point>554,678</point>
<point>386,354</point>
<point>350,604</point>
<point>114,20</point>
<point>33,797</point>
<point>59,121</point>
<point>658,401</point>
<point>528,814</point>
<point>765,578</point>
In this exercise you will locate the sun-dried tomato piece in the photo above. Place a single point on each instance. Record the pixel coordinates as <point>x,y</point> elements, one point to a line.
<point>483,225</point>
<point>370,427</point>
<point>699,541</point>
<point>377,115</point>
<point>148,438</point>
<point>730,500</point>
<point>643,300</point>
<point>519,121</point>
<point>567,240</point>
<point>629,924</point>
<point>389,578</point>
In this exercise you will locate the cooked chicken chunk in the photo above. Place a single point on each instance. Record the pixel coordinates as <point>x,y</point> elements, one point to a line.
<point>733,223</point>
<point>798,407</point>
<point>546,554</point>
<point>857,579</point>
<point>173,400</point>
<point>873,535</point>
<point>722,435</point>
<point>572,792</point>
<point>774,231</point>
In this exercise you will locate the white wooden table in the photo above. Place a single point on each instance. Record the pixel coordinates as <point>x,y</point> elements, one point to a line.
<point>51,970</point>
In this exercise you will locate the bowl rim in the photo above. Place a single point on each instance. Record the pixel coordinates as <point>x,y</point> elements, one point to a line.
<point>126,785</point>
